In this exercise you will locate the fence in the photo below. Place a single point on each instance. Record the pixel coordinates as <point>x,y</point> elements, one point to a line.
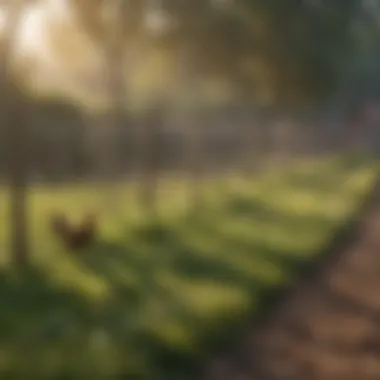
<point>65,145</point>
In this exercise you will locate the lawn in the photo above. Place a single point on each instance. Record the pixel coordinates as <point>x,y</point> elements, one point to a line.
<point>151,298</point>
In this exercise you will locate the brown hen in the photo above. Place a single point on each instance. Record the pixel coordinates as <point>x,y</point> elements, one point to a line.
<point>74,237</point>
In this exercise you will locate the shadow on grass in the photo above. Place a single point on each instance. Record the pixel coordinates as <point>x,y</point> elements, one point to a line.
<point>36,318</point>
<point>44,321</point>
<point>29,298</point>
<point>333,174</point>
<point>247,208</point>
<point>234,262</point>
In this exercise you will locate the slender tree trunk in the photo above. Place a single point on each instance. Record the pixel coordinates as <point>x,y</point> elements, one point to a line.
<point>283,140</point>
<point>18,179</point>
<point>194,153</point>
<point>251,146</point>
<point>94,128</point>
<point>150,157</point>
<point>109,131</point>
<point>15,117</point>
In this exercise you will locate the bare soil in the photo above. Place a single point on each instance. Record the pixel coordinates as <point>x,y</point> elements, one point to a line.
<point>327,326</point>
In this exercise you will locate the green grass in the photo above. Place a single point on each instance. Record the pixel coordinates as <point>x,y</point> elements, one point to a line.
<point>151,298</point>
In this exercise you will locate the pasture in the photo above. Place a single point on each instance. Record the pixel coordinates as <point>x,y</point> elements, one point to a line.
<point>152,297</point>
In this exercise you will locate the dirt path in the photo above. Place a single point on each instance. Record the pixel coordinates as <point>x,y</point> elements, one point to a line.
<point>328,326</point>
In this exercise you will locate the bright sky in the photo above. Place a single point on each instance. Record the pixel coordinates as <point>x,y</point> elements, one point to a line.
<point>53,52</point>
<point>54,55</point>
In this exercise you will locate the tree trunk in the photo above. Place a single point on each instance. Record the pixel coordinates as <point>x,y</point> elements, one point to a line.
<point>101,156</point>
<point>150,158</point>
<point>15,117</point>
<point>18,178</point>
<point>251,145</point>
<point>194,153</point>
<point>114,50</point>
<point>283,140</point>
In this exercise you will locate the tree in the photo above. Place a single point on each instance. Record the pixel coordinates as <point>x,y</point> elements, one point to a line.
<point>15,116</point>
<point>292,50</point>
<point>284,54</point>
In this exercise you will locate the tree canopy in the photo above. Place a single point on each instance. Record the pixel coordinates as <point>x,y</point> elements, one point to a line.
<point>285,52</point>
<point>291,50</point>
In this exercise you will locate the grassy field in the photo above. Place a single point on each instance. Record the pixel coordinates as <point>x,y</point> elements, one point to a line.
<point>151,298</point>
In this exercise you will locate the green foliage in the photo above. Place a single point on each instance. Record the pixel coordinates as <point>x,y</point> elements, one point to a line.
<point>152,297</point>
<point>290,52</point>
